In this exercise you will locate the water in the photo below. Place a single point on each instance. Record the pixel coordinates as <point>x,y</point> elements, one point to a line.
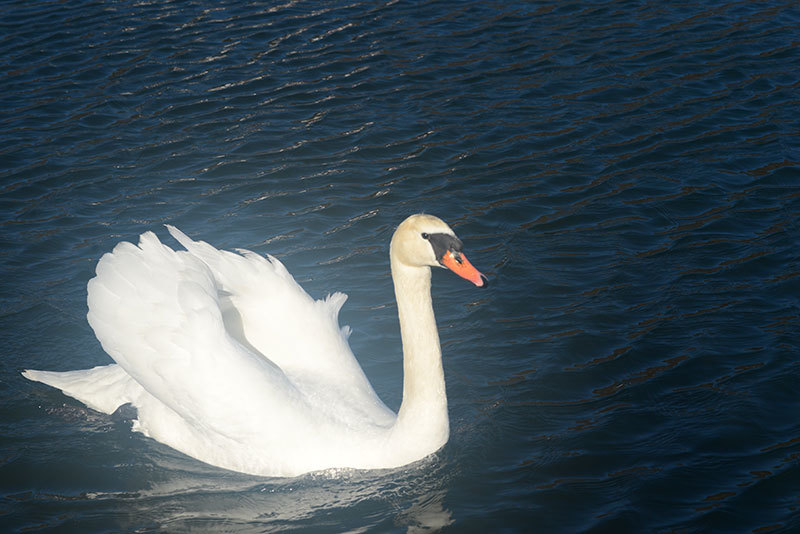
<point>626,174</point>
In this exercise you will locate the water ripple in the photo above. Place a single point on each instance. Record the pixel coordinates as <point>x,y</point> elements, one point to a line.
<point>625,173</point>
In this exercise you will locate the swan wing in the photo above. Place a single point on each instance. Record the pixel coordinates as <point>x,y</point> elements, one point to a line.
<point>266,309</point>
<point>156,312</point>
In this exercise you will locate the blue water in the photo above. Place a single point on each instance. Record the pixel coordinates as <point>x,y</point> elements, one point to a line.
<point>627,174</point>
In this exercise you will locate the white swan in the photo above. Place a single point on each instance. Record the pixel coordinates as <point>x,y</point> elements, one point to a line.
<point>228,359</point>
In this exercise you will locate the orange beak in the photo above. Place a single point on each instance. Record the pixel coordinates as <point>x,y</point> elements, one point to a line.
<point>459,264</point>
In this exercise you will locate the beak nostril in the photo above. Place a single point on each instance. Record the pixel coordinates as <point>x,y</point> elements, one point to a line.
<point>455,256</point>
<point>460,265</point>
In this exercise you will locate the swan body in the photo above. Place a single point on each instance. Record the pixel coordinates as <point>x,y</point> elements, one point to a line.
<point>228,360</point>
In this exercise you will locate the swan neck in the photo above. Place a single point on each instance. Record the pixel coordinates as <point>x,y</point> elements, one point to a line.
<point>422,418</point>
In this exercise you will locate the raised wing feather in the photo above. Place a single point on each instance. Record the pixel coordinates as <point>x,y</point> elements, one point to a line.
<point>266,309</point>
<point>156,312</point>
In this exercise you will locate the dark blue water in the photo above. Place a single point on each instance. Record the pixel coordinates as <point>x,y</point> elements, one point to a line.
<point>626,173</point>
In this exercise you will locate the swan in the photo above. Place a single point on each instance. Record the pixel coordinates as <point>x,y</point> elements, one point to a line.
<point>228,360</point>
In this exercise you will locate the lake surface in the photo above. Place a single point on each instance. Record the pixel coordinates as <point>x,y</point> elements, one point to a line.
<point>626,173</point>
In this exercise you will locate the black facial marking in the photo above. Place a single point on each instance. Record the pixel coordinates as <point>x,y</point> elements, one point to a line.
<point>444,243</point>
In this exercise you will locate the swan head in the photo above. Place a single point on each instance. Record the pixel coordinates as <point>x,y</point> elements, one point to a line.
<point>427,241</point>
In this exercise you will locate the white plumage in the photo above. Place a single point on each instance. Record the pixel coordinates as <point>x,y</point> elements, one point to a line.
<point>229,360</point>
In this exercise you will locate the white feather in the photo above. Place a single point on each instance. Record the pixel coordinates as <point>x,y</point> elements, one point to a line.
<point>229,360</point>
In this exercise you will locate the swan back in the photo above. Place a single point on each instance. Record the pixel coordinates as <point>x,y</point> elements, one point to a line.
<point>234,357</point>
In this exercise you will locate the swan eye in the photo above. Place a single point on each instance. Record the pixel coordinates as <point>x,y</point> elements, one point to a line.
<point>425,235</point>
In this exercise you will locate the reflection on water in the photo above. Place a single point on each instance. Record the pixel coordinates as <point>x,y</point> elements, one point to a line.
<point>194,495</point>
<point>426,514</point>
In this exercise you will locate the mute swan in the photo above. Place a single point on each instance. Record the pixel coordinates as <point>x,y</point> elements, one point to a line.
<point>228,360</point>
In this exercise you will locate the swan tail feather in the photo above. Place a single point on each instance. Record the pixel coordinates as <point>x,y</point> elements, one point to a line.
<point>104,388</point>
